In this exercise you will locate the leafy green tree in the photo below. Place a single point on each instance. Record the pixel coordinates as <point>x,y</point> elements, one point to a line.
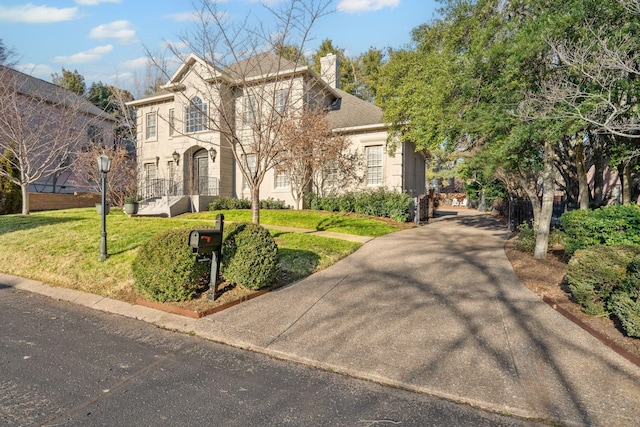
<point>71,80</point>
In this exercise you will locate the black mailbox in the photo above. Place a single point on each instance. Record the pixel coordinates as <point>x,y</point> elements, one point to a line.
<point>205,241</point>
<point>207,245</point>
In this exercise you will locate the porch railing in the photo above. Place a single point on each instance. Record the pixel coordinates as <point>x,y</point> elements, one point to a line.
<point>204,186</point>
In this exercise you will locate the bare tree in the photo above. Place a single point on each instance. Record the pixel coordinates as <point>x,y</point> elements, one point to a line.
<point>311,152</point>
<point>244,75</point>
<point>122,180</point>
<point>41,126</point>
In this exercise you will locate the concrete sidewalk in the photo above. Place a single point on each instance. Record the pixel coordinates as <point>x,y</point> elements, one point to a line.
<point>438,309</point>
<point>435,309</point>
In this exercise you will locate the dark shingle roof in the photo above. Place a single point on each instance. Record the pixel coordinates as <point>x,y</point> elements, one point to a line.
<point>352,111</point>
<point>40,89</point>
<point>259,65</point>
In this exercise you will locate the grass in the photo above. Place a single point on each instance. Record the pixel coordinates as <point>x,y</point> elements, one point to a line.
<point>311,220</point>
<point>61,247</point>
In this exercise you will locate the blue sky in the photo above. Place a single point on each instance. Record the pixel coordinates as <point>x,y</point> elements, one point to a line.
<point>105,39</point>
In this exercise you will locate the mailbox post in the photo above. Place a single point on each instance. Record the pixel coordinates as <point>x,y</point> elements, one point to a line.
<point>207,246</point>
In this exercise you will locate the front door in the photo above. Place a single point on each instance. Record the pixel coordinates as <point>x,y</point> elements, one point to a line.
<point>201,172</point>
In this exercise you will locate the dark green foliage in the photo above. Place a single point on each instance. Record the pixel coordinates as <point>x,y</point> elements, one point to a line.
<point>625,301</point>
<point>609,226</point>
<point>381,203</point>
<point>225,203</point>
<point>249,256</point>
<point>10,193</point>
<point>594,274</point>
<point>165,269</point>
<point>271,203</point>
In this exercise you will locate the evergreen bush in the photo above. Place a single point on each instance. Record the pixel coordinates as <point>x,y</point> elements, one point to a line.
<point>10,193</point>
<point>625,301</point>
<point>271,203</point>
<point>165,269</point>
<point>609,226</point>
<point>380,202</point>
<point>594,274</point>
<point>225,203</point>
<point>249,256</point>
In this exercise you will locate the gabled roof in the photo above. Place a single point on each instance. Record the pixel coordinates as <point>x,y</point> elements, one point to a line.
<point>39,89</point>
<point>348,113</point>
<point>262,65</point>
<point>353,112</point>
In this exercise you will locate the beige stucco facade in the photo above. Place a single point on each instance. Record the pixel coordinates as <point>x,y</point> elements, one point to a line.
<point>175,155</point>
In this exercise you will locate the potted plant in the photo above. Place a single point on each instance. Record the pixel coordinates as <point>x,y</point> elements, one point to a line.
<point>107,208</point>
<point>131,205</point>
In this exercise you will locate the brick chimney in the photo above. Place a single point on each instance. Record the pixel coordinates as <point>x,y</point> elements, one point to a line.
<point>330,70</point>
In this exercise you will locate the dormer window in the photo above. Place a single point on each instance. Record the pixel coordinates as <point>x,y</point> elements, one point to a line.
<point>196,115</point>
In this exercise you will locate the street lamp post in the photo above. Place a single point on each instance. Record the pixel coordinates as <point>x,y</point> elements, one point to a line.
<point>104,165</point>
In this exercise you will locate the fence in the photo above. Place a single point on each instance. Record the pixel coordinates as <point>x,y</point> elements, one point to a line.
<point>519,211</point>
<point>204,186</point>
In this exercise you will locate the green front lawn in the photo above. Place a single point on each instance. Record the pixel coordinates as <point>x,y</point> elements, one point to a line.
<point>61,247</point>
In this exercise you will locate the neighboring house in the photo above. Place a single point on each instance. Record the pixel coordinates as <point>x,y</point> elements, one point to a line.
<point>185,161</point>
<point>46,108</point>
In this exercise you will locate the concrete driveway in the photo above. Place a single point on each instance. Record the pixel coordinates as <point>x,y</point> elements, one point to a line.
<point>438,309</point>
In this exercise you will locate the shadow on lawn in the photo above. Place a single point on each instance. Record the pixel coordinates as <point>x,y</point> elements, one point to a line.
<point>10,224</point>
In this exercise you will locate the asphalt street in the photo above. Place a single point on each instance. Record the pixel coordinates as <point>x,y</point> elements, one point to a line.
<point>64,364</point>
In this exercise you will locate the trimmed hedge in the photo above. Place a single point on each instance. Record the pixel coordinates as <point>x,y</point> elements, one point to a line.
<point>165,269</point>
<point>249,256</point>
<point>609,226</point>
<point>380,202</point>
<point>226,203</point>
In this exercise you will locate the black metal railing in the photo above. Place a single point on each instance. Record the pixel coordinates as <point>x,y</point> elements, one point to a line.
<point>204,186</point>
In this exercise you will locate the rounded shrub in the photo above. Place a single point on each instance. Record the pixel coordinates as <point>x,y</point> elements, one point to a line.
<point>165,269</point>
<point>594,274</point>
<point>249,256</point>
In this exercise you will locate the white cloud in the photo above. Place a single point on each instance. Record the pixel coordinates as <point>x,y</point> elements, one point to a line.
<point>195,16</point>
<point>356,6</point>
<point>40,71</point>
<point>135,64</point>
<point>84,57</point>
<point>184,16</point>
<point>95,2</point>
<point>120,30</point>
<point>32,14</point>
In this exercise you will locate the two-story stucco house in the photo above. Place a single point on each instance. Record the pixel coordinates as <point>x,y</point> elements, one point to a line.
<point>187,132</point>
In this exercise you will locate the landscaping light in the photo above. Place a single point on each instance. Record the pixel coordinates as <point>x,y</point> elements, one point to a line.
<point>104,166</point>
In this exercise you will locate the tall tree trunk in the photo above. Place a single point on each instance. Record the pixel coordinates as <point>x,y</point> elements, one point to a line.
<point>25,198</point>
<point>626,183</point>
<point>599,164</point>
<point>255,204</point>
<point>582,176</point>
<point>548,191</point>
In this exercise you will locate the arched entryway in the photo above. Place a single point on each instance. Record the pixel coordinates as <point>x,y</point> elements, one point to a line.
<point>200,173</point>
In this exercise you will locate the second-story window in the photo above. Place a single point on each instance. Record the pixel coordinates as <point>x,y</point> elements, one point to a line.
<point>152,126</point>
<point>172,122</point>
<point>250,109</point>
<point>196,115</point>
<point>282,102</point>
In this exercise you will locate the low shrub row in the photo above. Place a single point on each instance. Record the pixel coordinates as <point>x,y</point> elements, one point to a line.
<point>605,280</point>
<point>381,203</point>
<point>609,226</point>
<point>226,203</point>
<point>166,270</point>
